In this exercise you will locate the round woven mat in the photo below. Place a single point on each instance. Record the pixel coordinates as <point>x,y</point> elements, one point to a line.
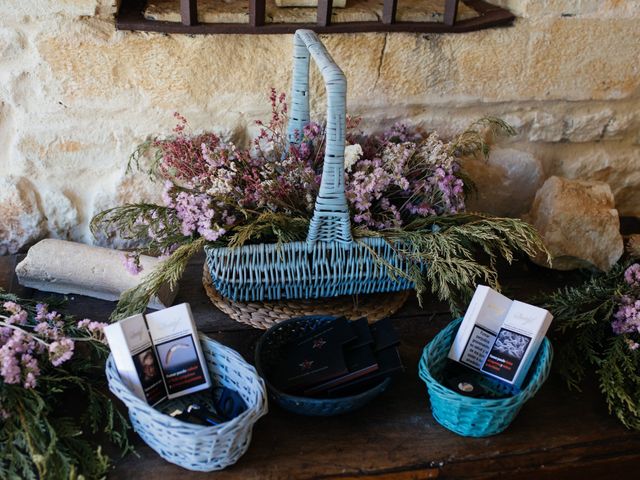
<point>374,306</point>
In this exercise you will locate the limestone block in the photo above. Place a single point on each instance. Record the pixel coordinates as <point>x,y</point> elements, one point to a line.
<point>617,165</point>
<point>21,220</point>
<point>578,223</point>
<point>583,59</point>
<point>555,8</point>
<point>67,267</point>
<point>619,126</point>
<point>61,213</point>
<point>12,44</point>
<point>506,183</point>
<point>587,128</point>
<point>633,245</point>
<point>546,127</point>
<point>474,65</point>
<point>39,9</point>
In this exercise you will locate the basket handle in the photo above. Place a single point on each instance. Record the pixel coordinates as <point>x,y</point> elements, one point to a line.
<point>330,221</point>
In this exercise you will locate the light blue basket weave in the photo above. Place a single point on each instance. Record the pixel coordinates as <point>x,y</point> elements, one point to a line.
<point>330,262</point>
<point>476,417</point>
<point>191,446</point>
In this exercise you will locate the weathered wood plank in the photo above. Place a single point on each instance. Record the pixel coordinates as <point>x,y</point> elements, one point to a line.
<point>559,434</point>
<point>189,12</point>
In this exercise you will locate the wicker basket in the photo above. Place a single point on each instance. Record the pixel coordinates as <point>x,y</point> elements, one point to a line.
<point>268,354</point>
<point>476,417</point>
<point>196,447</point>
<point>265,314</point>
<point>330,262</point>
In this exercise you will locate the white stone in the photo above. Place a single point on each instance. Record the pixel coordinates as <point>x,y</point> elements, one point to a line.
<point>588,127</point>
<point>62,215</point>
<point>578,223</point>
<point>506,183</point>
<point>617,165</point>
<point>546,128</point>
<point>68,267</point>
<point>21,220</point>
<point>619,126</point>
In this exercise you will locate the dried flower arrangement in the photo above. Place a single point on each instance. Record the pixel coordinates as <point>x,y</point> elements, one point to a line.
<point>597,325</point>
<point>402,185</point>
<point>48,362</point>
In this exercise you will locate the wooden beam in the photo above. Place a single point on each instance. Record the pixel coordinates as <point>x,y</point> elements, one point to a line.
<point>189,12</point>
<point>450,12</point>
<point>389,11</point>
<point>257,12</point>
<point>324,12</point>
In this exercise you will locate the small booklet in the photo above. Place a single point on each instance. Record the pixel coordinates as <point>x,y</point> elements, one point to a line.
<point>517,343</point>
<point>135,358</point>
<point>479,328</point>
<point>158,355</point>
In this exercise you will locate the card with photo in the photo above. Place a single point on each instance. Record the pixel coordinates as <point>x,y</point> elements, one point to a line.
<point>506,355</point>
<point>149,374</point>
<point>180,364</point>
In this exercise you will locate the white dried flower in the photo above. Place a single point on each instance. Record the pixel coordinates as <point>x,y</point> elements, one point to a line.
<point>352,154</point>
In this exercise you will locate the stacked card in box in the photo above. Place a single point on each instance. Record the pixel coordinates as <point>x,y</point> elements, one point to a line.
<point>342,358</point>
<point>158,356</point>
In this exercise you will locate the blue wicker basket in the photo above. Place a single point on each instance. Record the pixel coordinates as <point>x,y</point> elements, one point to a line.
<point>476,417</point>
<point>197,447</point>
<point>267,355</point>
<point>330,262</point>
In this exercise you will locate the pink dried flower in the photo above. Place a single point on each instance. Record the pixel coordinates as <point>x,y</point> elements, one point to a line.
<point>61,351</point>
<point>12,307</point>
<point>131,263</point>
<point>627,318</point>
<point>632,275</point>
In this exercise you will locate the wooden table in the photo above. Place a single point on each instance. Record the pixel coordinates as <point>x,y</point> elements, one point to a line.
<point>558,434</point>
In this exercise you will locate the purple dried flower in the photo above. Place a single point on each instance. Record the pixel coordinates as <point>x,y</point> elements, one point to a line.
<point>627,318</point>
<point>61,351</point>
<point>131,262</point>
<point>632,275</point>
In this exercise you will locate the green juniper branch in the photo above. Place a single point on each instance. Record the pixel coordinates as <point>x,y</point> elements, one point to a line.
<point>582,328</point>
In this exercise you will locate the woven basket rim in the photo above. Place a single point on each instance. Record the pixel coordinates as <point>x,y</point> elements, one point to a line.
<point>264,314</point>
<point>132,401</point>
<point>310,400</point>
<point>434,386</point>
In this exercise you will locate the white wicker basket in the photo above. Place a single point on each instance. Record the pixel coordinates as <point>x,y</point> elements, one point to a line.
<point>196,447</point>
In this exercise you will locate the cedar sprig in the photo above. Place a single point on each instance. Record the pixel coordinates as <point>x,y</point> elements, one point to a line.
<point>55,429</point>
<point>588,346</point>
<point>165,275</point>
<point>443,252</point>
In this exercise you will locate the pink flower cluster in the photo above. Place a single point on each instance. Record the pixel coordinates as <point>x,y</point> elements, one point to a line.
<point>31,339</point>
<point>627,317</point>
<point>626,320</point>
<point>404,181</point>
<point>632,275</point>
<point>212,186</point>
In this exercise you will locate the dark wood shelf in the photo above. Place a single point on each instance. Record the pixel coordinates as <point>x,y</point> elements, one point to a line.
<point>558,434</point>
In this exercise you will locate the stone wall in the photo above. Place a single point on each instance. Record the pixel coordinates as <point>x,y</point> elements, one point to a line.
<point>76,97</point>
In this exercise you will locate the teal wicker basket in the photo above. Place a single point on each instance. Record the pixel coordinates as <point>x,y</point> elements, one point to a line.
<point>476,417</point>
<point>191,446</point>
<point>330,262</point>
